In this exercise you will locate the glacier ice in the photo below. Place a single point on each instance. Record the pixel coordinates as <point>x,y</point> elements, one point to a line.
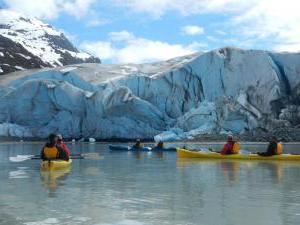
<point>221,91</point>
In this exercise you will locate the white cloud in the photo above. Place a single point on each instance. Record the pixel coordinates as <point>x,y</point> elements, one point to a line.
<point>212,38</point>
<point>42,9</point>
<point>192,30</point>
<point>271,23</point>
<point>158,8</point>
<point>289,47</point>
<point>221,32</point>
<point>121,36</point>
<point>96,22</point>
<point>100,48</point>
<point>50,9</point>
<point>125,47</point>
<point>274,22</point>
<point>77,8</point>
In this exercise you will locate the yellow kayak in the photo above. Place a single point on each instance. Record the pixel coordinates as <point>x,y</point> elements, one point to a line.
<point>55,164</point>
<point>183,153</point>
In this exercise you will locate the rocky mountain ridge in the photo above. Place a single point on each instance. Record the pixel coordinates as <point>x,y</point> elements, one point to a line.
<point>28,43</point>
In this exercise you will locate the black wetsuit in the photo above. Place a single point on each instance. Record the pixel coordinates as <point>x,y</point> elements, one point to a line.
<point>271,150</point>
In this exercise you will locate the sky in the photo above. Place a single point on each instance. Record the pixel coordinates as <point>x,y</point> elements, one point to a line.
<point>138,31</point>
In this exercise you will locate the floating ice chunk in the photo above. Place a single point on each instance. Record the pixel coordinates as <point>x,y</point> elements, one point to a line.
<point>92,140</point>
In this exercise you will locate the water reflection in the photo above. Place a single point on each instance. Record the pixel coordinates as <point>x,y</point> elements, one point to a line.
<point>140,155</point>
<point>52,180</point>
<point>231,170</point>
<point>147,188</point>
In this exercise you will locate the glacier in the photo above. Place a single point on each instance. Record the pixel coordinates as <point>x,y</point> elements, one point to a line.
<point>227,90</point>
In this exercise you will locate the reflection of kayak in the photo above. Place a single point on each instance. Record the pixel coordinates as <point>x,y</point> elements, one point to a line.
<point>55,164</point>
<point>51,178</point>
<point>145,149</point>
<point>183,153</point>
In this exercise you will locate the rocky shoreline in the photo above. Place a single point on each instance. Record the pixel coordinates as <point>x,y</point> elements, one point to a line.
<point>283,134</point>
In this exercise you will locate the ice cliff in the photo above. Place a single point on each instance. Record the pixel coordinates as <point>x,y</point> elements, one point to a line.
<point>224,90</point>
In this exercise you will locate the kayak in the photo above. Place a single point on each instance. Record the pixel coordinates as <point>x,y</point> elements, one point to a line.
<point>127,148</point>
<point>55,164</point>
<point>183,153</point>
<point>145,149</point>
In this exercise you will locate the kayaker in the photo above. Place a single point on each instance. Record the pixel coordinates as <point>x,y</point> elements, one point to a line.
<point>62,144</point>
<point>274,148</point>
<point>231,147</point>
<point>138,144</point>
<point>52,151</point>
<point>160,145</point>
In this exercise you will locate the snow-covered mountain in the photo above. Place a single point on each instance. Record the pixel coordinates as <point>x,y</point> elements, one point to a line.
<point>221,91</point>
<point>27,43</point>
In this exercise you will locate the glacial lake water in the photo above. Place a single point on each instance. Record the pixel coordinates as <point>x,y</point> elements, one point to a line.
<point>122,188</point>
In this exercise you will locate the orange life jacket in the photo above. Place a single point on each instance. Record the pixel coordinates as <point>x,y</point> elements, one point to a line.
<point>278,150</point>
<point>51,152</point>
<point>236,148</point>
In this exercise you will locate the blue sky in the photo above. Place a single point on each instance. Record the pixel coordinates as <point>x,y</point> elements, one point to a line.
<point>135,31</point>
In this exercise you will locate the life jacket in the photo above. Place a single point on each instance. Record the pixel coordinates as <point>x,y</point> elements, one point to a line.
<point>231,148</point>
<point>236,148</point>
<point>51,152</point>
<point>278,150</point>
<point>64,147</point>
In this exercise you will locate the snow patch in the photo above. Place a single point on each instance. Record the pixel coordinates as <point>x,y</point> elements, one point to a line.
<point>24,56</point>
<point>19,68</point>
<point>68,69</point>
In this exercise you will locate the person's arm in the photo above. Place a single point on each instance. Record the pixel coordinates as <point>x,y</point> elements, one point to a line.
<point>62,154</point>
<point>65,147</point>
<point>224,150</point>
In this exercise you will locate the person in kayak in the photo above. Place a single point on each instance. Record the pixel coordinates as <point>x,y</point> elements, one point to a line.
<point>231,147</point>
<point>62,144</point>
<point>160,145</point>
<point>52,151</point>
<point>274,148</point>
<point>138,144</point>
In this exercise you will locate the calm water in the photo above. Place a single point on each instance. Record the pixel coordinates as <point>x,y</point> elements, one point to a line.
<point>147,188</point>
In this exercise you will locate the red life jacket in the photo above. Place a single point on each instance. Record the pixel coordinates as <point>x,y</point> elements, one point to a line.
<point>64,147</point>
<point>228,148</point>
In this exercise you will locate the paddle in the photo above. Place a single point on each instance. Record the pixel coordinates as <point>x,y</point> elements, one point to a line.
<point>21,158</point>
